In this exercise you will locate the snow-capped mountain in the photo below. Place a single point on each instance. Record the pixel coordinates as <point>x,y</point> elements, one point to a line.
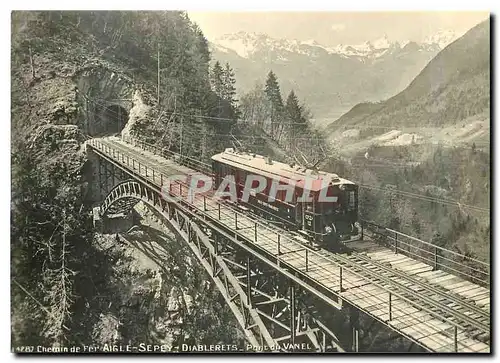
<point>442,38</point>
<point>369,49</point>
<point>248,44</point>
<point>379,47</point>
<point>329,79</point>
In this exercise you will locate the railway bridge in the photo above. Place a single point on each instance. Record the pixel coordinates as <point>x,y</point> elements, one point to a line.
<point>289,297</point>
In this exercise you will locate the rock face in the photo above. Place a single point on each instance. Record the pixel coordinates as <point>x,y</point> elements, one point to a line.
<point>160,296</point>
<point>105,97</point>
<point>140,112</point>
<point>92,96</point>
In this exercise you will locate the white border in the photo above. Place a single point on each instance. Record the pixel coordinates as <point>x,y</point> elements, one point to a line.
<point>198,5</point>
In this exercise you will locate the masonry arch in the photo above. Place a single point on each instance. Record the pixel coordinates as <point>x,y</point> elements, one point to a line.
<point>113,119</point>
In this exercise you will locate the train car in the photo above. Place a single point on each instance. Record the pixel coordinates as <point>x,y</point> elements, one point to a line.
<point>324,222</point>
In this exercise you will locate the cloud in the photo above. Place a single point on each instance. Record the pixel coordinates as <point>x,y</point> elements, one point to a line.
<point>338,27</point>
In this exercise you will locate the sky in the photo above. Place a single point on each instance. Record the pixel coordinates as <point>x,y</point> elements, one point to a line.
<point>333,28</point>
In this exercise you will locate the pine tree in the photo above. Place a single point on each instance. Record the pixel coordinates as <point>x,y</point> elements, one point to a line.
<point>273,94</point>
<point>296,120</point>
<point>202,43</point>
<point>216,79</point>
<point>229,89</point>
<point>273,91</point>
<point>294,111</point>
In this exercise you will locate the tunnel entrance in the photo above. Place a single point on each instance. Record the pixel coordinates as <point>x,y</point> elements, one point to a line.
<point>113,120</point>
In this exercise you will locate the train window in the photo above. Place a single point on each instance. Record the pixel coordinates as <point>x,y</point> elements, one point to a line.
<point>266,190</point>
<point>242,176</point>
<point>280,195</point>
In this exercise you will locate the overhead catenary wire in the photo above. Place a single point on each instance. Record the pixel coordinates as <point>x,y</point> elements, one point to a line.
<point>229,135</point>
<point>317,138</point>
<point>425,198</point>
<point>255,121</point>
<point>421,197</point>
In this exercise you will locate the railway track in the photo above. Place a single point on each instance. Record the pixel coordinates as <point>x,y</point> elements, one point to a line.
<point>470,317</point>
<point>435,300</point>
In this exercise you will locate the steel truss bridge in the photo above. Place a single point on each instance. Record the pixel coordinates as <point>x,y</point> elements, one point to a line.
<point>287,296</point>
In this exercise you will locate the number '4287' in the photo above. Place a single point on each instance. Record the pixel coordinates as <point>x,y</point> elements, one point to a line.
<point>24,349</point>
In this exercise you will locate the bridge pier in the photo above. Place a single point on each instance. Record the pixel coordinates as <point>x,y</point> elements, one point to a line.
<point>102,176</point>
<point>354,327</point>
<point>97,219</point>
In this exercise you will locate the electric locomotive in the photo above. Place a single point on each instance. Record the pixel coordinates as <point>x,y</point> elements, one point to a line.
<point>326,221</point>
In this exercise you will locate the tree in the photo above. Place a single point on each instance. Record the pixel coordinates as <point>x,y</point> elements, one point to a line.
<point>273,94</point>
<point>297,123</point>
<point>222,83</point>
<point>216,79</point>
<point>293,109</point>
<point>273,91</point>
<point>229,89</point>
<point>202,41</point>
<point>47,224</point>
<point>254,106</point>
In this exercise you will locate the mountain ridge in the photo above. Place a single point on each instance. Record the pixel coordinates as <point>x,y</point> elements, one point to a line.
<point>328,82</point>
<point>450,88</point>
<point>245,44</point>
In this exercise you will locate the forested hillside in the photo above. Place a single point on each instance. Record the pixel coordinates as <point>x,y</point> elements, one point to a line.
<point>75,75</point>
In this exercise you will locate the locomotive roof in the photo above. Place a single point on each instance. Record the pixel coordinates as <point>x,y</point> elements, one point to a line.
<point>261,165</point>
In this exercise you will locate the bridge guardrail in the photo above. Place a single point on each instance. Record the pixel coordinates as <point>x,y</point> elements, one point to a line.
<point>181,159</point>
<point>440,258</point>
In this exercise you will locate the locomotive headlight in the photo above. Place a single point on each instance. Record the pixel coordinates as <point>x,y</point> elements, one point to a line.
<point>328,229</point>
<point>357,225</point>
